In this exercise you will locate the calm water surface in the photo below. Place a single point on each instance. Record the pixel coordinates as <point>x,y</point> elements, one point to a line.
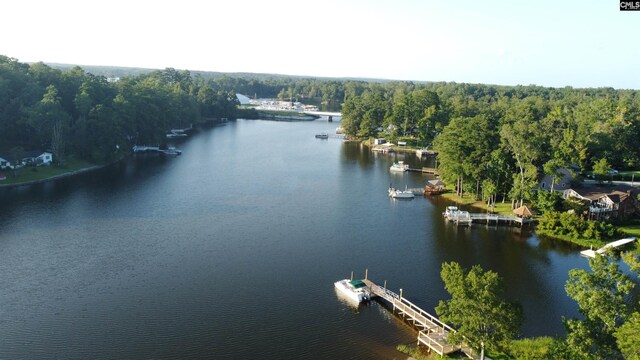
<point>231,251</point>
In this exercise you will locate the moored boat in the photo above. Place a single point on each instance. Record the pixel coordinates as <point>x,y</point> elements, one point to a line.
<point>355,290</point>
<point>401,194</point>
<point>450,212</point>
<point>400,166</point>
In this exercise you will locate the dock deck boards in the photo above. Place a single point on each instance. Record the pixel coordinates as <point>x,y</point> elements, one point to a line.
<point>431,331</point>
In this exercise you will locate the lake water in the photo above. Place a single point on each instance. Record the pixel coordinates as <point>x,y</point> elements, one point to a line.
<point>231,251</point>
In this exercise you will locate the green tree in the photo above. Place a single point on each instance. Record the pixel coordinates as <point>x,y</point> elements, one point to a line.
<point>551,168</point>
<point>600,294</point>
<point>627,334</point>
<point>477,309</point>
<point>548,201</point>
<point>525,139</point>
<point>601,169</point>
<point>489,189</point>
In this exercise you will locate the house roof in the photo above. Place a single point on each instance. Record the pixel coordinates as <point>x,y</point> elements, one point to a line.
<point>617,194</point>
<point>32,154</point>
<point>435,182</point>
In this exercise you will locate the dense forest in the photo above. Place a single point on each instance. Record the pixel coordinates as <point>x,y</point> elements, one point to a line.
<point>76,113</point>
<point>492,140</point>
<point>500,139</point>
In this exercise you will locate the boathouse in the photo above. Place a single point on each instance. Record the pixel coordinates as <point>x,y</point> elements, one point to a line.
<point>434,187</point>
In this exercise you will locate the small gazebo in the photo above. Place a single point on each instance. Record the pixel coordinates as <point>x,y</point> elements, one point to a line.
<point>523,212</point>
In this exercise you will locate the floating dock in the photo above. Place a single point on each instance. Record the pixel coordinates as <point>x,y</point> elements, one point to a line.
<point>612,245</point>
<point>425,170</point>
<point>168,151</point>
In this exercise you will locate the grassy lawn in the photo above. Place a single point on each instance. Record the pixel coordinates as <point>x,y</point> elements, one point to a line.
<point>632,229</point>
<point>500,208</point>
<point>28,173</point>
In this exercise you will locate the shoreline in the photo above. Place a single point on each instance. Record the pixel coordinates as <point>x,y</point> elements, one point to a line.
<point>57,177</point>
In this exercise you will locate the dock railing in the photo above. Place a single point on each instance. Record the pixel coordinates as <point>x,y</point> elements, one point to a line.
<point>432,332</point>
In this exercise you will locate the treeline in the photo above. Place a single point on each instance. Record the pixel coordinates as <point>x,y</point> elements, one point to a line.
<point>328,93</point>
<point>76,113</point>
<point>499,140</point>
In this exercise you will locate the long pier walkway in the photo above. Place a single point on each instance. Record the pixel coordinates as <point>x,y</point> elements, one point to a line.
<point>431,331</point>
<point>466,218</point>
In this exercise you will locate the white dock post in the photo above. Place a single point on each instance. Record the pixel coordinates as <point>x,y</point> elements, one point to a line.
<point>352,275</point>
<point>366,274</point>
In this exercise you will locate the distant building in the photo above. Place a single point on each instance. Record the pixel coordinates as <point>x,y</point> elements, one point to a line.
<point>562,183</point>
<point>5,163</point>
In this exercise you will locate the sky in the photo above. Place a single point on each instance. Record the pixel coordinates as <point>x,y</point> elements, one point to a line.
<point>586,43</point>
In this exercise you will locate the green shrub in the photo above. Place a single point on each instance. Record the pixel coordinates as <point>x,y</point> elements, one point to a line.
<point>534,348</point>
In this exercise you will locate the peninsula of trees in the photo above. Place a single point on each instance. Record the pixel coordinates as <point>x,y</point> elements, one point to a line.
<point>498,140</point>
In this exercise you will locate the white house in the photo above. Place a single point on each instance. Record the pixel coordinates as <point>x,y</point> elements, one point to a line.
<point>38,158</point>
<point>4,163</point>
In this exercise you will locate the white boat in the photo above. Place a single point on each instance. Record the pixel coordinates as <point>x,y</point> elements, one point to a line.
<point>401,194</point>
<point>399,167</point>
<point>355,290</point>
<point>450,212</point>
<point>322,135</point>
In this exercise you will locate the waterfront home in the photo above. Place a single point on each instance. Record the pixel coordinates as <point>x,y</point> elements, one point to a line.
<point>38,158</point>
<point>606,202</point>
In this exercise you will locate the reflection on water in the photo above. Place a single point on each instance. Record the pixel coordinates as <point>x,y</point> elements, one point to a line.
<point>232,249</point>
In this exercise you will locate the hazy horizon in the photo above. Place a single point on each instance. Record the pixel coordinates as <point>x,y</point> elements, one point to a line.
<point>544,43</point>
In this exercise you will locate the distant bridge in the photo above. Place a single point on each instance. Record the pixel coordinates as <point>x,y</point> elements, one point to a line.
<point>328,114</point>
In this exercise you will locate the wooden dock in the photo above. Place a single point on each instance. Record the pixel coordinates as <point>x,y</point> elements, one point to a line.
<point>431,331</point>
<point>426,170</point>
<point>612,245</point>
